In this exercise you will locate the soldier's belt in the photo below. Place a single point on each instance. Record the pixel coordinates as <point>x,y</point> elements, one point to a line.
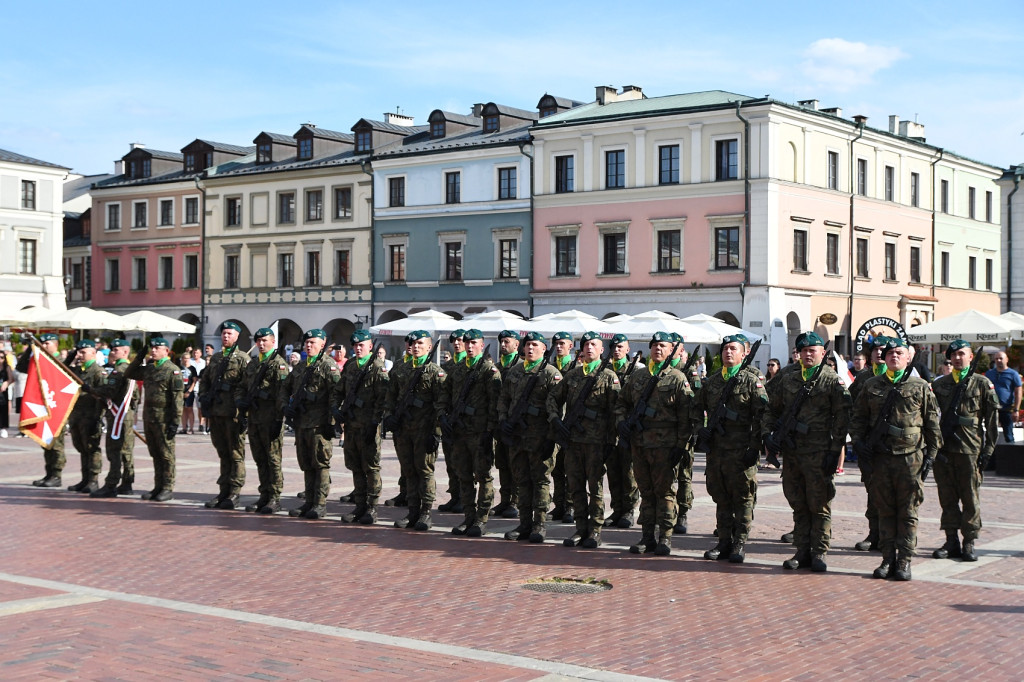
<point>897,432</point>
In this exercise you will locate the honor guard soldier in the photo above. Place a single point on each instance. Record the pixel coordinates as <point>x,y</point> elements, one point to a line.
<point>876,366</point>
<point>255,398</point>
<point>806,422</point>
<point>413,407</point>
<point>621,482</point>
<point>657,415</point>
<point>523,417</point>
<point>734,399</point>
<point>588,397</point>
<point>563,361</point>
<point>120,440</point>
<point>454,504</point>
<point>684,479</point>
<point>895,431</point>
<point>305,401</point>
<point>400,500</point>
<point>468,420</point>
<point>969,412</point>
<point>86,416</point>
<point>508,492</point>
<point>218,386</point>
<point>161,412</point>
<point>53,456</point>
<point>358,406</point>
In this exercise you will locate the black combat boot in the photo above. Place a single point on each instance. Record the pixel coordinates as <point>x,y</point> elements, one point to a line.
<point>423,522</point>
<point>573,540</point>
<point>39,481</point>
<point>737,555</point>
<point>968,551</point>
<point>517,533</point>
<point>272,505</point>
<point>818,564</point>
<point>398,500</point>
<point>680,527</point>
<point>50,482</point>
<point>802,559</point>
<point>885,568</point>
<point>408,521</point>
<point>664,547</point>
<point>258,504</point>
<point>229,502</point>
<point>163,496</point>
<point>214,503</point>
<point>557,513</point>
<point>612,520</point>
<point>125,488</point>
<point>592,541</point>
<point>647,543</point>
<point>348,498</point>
<point>625,521</point>
<point>355,514</point>
<point>369,517</point>
<point>317,512</point>
<point>950,550</point>
<point>477,530</point>
<point>90,487</point>
<point>105,491</point>
<point>301,511</point>
<point>77,488</point>
<point>150,495</point>
<point>500,508</point>
<point>537,533</point>
<point>449,506</point>
<point>868,544</point>
<point>720,551</point>
<point>902,572</point>
<point>787,538</point>
<point>510,512</point>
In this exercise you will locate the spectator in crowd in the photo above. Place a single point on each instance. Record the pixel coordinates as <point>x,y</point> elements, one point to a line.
<point>7,381</point>
<point>772,369</point>
<point>383,355</point>
<point>293,360</point>
<point>1008,390</point>
<point>198,363</point>
<point>190,377</point>
<point>340,355</point>
<point>945,368</point>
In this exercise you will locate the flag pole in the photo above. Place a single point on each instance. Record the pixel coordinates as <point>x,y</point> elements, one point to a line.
<point>57,360</point>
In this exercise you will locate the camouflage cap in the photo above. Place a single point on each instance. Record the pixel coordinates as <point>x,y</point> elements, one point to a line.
<point>157,341</point>
<point>119,343</point>
<point>535,336</point>
<point>315,334</point>
<point>658,337</point>
<point>619,338</point>
<point>230,325</point>
<point>48,337</point>
<point>808,339</point>
<point>509,334</point>
<point>562,336</point>
<point>455,335</point>
<point>359,335</point>
<point>419,334</point>
<point>955,346</point>
<point>263,331</point>
<point>85,343</point>
<point>472,335</point>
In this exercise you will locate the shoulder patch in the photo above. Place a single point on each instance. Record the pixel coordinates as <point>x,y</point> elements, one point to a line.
<point>558,376</point>
<point>615,380</point>
<point>177,371</point>
<point>494,370</point>
<point>441,373</point>
<point>334,369</point>
<point>759,384</point>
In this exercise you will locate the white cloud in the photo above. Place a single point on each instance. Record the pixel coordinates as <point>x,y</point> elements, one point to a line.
<point>844,65</point>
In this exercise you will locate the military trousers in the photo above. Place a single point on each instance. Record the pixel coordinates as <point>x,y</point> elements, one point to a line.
<point>313,450</point>
<point>53,456</point>
<point>87,439</point>
<point>656,478</point>
<point>121,460</point>
<point>898,492</point>
<point>473,455</point>
<point>585,469</point>
<point>362,458</point>
<point>507,487</point>
<point>871,510</point>
<point>417,453</point>
<point>959,483</point>
<point>161,449</point>
<point>622,485</point>
<point>266,437</point>
<point>533,465</point>
<point>809,493</point>
<point>454,489</point>
<point>684,482</point>
<point>229,442</point>
<point>733,487</point>
<point>560,481</point>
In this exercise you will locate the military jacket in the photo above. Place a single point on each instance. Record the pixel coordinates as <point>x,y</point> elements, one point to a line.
<point>425,400</point>
<point>859,381</point>
<point>221,379</point>
<point>164,391</point>
<point>308,389</point>
<point>361,392</point>
<point>744,409</point>
<point>116,384</point>
<point>517,359</point>
<point>671,415</point>
<point>913,423</point>
<point>824,416</point>
<point>597,422</point>
<point>978,425</point>
<point>534,429</point>
<point>479,409</point>
<point>263,397</point>
<point>88,408</point>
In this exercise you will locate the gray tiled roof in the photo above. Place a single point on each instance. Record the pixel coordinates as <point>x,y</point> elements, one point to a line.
<point>278,138</point>
<point>651,106</point>
<point>565,101</point>
<point>461,118</point>
<point>14,157</point>
<point>166,156</point>
<point>125,181</point>
<point>513,111</point>
<point>77,241</point>
<point>326,134</point>
<point>422,144</point>
<point>76,188</point>
<point>390,127</point>
<point>229,148</point>
<point>250,167</point>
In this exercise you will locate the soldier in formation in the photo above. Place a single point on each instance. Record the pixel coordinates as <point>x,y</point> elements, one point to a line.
<point>454,503</point>
<point>53,456</point>
<point>621,480</point>
<point>84,421</point>
<point>161,412</point>
<point>563,362</point>
<point>219,387</point>
<point>684,477</point>
<point>875,366</point>
<point>508,494</point>
<point>120,438</point>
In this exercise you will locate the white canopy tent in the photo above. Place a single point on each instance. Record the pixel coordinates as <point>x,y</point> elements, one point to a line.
<point>148,321</point>
<point>81,319</point>
<point>716,326</point>
<point>428,320</point>
<point>644,325</point>
<point>494,322</point>
<point>971,325</point>
<point>13,316</point>
<point>576,322</point>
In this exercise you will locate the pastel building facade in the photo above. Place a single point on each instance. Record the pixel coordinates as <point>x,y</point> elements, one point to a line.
<point>1011,210</point>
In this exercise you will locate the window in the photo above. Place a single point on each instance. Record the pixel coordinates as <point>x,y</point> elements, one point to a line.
<point>452,188</point>
<point>972,272</point>
<point>506,183</point>
<point>305,148</point>
<point>669,250</point>
<point>192,210</point>
<point>565,256</point>
<point>147,166</point>
<point>800,250</point>
<point>668,165</point>
<point>944,196</point>
<point>565,174</point>
<point>342,261</point>
<point>989,274</point>
<point>437,129</point>
<point>833,170</point>
<point>726,160</point>
<point>232,271</point>
<point>342,202</point>
<point>264,152</point>
<point>190,162</point>
<point>191,271</point>
<point>166,273</point>
<point>207,159</point>
<point>312,268</point>
<point>133,169</point>
<point>112,279</point>
<point>453,261</point>
<point>890,183</point>
<point>988,207</point>
<point>397,262</point>
<point>862,257</point>
<point>492,123</point>
<point>915,264</point>
<point>396,191</point>
<point>314,205</point>
<point>26,256</point>
<point>862,177</point>
<point>286,270</point>
<point>890,261</point>
<point>286,207</point>
<point>971,197</point>
<point>509,258</point>
<point>113,216</point>
<point>915,190</point>
<point>727,248</point>
<point>615,253</point>
<point>548,111</point>
<point>615,169</point>
<point>234,212</point>
<point>139,214</point>
<point>944,269</point>
<point>832,253</point>
<point>138,274</point>
<point>76,275</point>
<point>28,195</point>
<point>364,141</point>
<point>166,212</point>
<point>88,278</point>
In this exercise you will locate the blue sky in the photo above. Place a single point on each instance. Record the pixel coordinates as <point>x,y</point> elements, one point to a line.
<point>80,81</point>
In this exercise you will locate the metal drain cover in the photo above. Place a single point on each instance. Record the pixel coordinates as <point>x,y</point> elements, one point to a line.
<point>567,585</point>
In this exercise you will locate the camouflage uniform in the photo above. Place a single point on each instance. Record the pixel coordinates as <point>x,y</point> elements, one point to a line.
<point>684,477</point>
<point>508,492</point>
<point>84,425</point>
<point>161,410</point>
<point>622,485</point>
<point>221,381</point>
<point>121,474</point>
<point>368,388</point>
<point>560,483</point>
<point>53,456</point>
<point>265,424</point>
<point>454,489</point>
<point>870,511</point>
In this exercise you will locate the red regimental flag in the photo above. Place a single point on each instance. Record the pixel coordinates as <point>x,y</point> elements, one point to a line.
<point>50,393</point>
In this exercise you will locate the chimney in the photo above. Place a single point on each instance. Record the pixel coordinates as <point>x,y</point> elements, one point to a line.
<point>606,94</point>
<point>478,110</point>
<point>912,130</point>
<point>811,104</point>
<point>308,125</point>
<point>833,111</point>
<point>398,119</point>
<point>860,119</point>
<point>119,167</point>
<point>631,92</point>
<point>137,145</point>
<point>894,124</point>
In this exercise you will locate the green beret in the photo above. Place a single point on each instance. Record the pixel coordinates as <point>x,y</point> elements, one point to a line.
<point>808,339</point>
<point>735,338</point>
<point>314,334</point>
<point>879,341</point>
<point>419,334</point>
<point>535,336</point>
<point>472,335</point>
<point>359,336</point>
<point>955,346</point>
<point>619,338</point>
<point>895,342</point>
<point>158,341</point>
<point>119,343</point>
<point>48,337</point>
<point>454,336</point>
<point>230,325</point>
<point>408,338</point>
<point>677,338</point>
<point>85,343</point>
<point>589,336</point>
<point>559,336</point>
<point>261,332</point>
<point>660,336</point>
<point>509,334</point>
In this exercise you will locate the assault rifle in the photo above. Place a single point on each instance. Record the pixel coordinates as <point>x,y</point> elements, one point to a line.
<point>250,395</point>
<point>867,448</point>
<point>406,402</point>
<point>634,422</point>
<point>206,397</point>
<point>782,433</point>
<point>454,418</point>
<point>574,415</point>
<point>707,435</point>
<point>294,407</point>
<point>950,419</point>
<point>512,427</point>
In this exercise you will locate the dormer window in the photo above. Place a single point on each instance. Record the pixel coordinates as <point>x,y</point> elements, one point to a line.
<point>548,111</point>
<point>491,124</point>
<point>190,162</point>
<point>133,169</point>
<point>147,168</point>
<point>264,152</point>
<point>207,159</point>
<point>437,129</point>
<point>363,141</point>
<point>305,148</point>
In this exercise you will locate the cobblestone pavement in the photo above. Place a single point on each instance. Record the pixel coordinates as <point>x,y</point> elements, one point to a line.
<point>126,589</point>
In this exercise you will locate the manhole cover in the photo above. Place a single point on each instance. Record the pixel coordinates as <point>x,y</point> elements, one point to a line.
<point>567,585</point>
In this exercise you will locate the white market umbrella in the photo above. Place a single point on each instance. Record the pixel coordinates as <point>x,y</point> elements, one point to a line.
<point>428,320</point>
<point>495,322</point>
<point>645,325</point>
<point>81,318</point>
<point>148,321</point>
<point>1017,319</point>
<point>15,316</point>
<point>576,322</point>
<point>722,329</point>
<point>972,326</point>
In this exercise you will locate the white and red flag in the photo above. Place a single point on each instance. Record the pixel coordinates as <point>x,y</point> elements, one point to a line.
<point>50,393</point>
<point>846,375</point>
